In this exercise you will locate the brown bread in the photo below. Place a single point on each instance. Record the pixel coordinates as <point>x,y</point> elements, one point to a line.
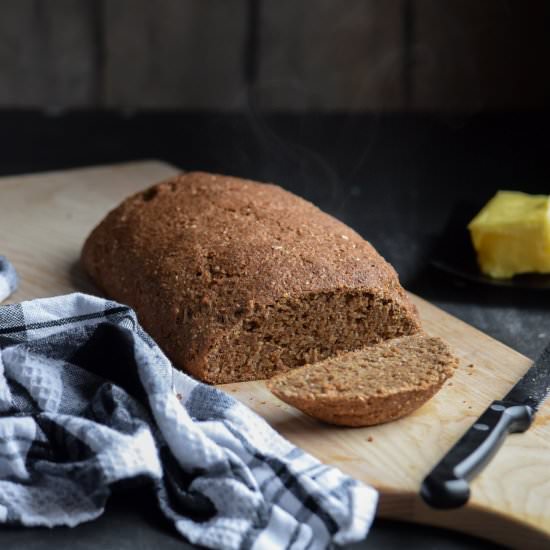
<point>370,386</point>
<point>238,280</point>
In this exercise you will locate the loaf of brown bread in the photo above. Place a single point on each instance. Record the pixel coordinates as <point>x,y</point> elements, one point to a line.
<point>238,280</point>
<point>370,386</point>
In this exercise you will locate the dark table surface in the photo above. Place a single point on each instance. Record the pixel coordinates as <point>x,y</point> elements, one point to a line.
<point>393,178</point>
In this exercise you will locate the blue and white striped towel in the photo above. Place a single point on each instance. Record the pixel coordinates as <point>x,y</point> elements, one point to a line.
<point>8,278</point>
<point>88,399</point>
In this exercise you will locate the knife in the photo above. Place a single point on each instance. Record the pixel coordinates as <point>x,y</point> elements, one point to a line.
<point>446,486</point>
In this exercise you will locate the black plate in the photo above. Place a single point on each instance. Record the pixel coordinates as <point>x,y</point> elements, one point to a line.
<point>456,256</point>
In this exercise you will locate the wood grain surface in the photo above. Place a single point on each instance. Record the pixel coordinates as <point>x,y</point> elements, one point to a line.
<point>174,54</point>
<point>44,219</point>
<point>315,56</point>
<point>293,55</point>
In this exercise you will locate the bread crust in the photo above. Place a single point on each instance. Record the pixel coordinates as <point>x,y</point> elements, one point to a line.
<point>199,255</point>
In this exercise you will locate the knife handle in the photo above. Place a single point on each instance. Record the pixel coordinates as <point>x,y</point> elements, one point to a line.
<point>446,486</point>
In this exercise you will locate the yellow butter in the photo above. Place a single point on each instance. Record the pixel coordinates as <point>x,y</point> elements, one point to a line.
<point>511,234</point>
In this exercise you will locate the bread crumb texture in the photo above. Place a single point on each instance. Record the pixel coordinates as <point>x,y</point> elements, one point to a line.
<point>370,386</point>
<point>238,280</point>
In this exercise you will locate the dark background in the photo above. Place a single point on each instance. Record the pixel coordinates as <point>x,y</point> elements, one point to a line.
<point>386,113</point>
<point>453,56</point>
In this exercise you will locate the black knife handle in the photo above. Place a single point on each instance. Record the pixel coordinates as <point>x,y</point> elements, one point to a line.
<point>446,486</point>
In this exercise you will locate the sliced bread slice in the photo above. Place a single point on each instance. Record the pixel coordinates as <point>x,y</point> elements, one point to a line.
<point>369,386</point>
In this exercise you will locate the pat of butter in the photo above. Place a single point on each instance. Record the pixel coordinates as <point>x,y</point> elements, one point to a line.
<point>511,234</point>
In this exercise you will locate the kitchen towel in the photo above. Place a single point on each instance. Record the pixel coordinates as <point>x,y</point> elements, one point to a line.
<point>8,278</point>
<point>88,399</point>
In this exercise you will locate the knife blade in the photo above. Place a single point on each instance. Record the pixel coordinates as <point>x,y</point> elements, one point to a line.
<point>447,485</point>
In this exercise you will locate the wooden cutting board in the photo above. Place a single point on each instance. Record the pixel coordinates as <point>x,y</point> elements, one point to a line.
<point>44,219</point>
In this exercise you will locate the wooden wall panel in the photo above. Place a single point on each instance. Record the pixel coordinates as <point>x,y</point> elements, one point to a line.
<point>304,55</point>
<point>471,55</point>
<point>47,53</point>
<point>326,54</point>
<point>174,53</point>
